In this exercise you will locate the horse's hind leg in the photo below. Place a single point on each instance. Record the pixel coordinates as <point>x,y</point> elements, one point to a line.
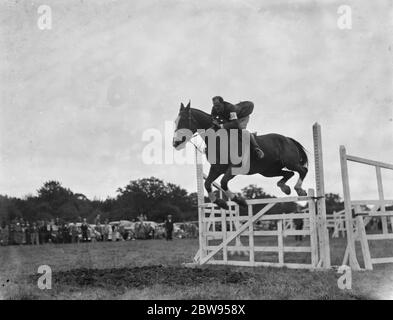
<point>302,174</point>
<point>286,175</point>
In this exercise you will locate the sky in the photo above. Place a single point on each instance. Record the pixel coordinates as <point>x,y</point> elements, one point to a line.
<point>77,101</point>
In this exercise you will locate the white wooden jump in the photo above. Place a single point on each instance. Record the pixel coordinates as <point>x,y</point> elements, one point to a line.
<point>357,216</point>
<point>222,232</point>
<point>336,222</point>
<point>289,224</point>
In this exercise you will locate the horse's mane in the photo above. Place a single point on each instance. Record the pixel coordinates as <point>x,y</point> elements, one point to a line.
<point>201,112</point>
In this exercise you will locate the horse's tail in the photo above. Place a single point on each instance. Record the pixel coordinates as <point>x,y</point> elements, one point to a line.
<point>302,152</point>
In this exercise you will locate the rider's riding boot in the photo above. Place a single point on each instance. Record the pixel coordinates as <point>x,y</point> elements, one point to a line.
<point>256,147</point>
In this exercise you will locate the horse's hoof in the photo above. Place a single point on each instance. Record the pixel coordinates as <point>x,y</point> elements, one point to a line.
<point>221,203</point>
<point>240,201</point>
<point>301,192</point>
<point>285,189</point>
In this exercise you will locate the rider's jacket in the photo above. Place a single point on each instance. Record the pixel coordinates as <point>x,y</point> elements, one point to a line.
<point>232,112</point>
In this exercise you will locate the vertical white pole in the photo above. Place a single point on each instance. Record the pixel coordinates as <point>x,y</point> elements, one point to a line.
<point>353,262</point>
<point>280,242</point>
<point>320,192</point>
<point>313,230</point>
<point>199,176</point>
<point>224,235</point>
<point>381,197</point>
<point>362,235</point>
<point>201,200</point>
<point>236,221</point>
<point>251,237</point>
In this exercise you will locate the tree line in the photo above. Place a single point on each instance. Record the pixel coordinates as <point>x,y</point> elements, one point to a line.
<point>150,197</point>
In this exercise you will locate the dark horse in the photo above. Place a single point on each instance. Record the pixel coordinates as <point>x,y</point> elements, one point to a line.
<point>280,153</point>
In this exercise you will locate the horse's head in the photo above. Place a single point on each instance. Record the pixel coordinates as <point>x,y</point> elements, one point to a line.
<point>185,127</point>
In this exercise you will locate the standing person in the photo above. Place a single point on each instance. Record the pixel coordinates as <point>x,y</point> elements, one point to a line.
<point>4,234</point>
<point>66,233</point>
<point>97,220</point>
<point>11,237</point>
<point>169,227</point>
<point>42,232</point>
<point>27,233</point>
<point>121,232</point>
<point>99,232</point>
<point>48,232</point>
<point>74,233</point>
<point>24,233</point>
<point>298,226</point>
<point>34,236</point>
<point>85,229</point>
<point>114,233</point>
<point>105,231</point>
<point>18,233</point>
<point>55,231</point>
<point>110,232</point>
<point>59,237</point>
<point>70,233</point>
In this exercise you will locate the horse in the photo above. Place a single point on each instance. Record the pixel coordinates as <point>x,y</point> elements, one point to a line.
<point>280,153</point>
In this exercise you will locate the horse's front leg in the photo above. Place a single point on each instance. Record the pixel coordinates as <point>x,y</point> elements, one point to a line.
<point>224,185</point>
<point>214,173</point>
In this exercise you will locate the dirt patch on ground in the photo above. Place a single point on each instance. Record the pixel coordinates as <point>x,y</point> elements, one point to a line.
<point>146,276</point>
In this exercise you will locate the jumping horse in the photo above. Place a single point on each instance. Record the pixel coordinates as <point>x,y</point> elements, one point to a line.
<point>283,156</point>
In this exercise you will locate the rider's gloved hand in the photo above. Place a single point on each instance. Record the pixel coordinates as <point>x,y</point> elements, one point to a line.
<point>216,124</point>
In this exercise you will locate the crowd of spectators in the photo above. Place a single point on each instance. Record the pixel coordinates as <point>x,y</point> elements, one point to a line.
<point>19,232</point>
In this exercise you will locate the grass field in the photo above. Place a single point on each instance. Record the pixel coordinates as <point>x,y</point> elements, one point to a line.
<point>152,269</point>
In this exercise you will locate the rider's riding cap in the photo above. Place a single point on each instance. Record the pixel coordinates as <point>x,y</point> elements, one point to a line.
<point>218,100</point>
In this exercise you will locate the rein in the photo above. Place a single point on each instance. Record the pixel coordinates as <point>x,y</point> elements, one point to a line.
<point>190,120</point>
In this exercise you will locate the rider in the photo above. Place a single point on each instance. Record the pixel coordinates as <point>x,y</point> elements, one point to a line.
<point>228,116</point>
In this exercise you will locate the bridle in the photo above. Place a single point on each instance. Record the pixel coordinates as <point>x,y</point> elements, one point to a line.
<point>190,120</point>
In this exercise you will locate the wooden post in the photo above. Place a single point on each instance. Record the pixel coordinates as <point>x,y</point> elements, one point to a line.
<point>224,235</point>
<point>201,200</point>
<point>361,232</point>
<point>313,230</point>
<point>353,262</point>
<point>251,237</point>
<point>320,192</point>
<point>237,226</point>
<point>357,210</point>
<point>381,197</point>
<point>280,242</point>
